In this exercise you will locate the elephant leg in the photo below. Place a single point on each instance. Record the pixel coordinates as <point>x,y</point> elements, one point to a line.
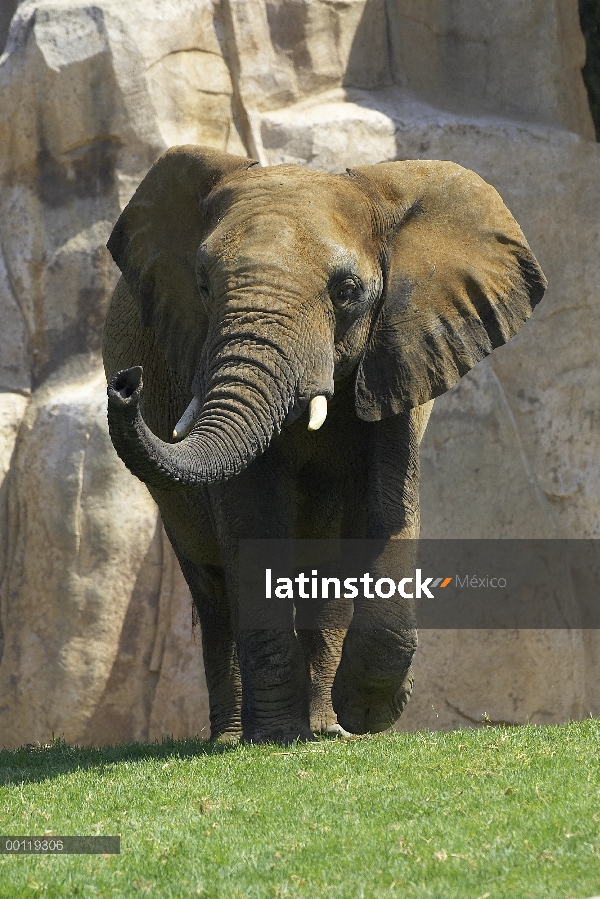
<point>331,504</point>
<point>221,666</point>
<point>186,520</point>
<point>374,679</point>
<point>274,687</point>
<point>256,505</point>
<point>322,648</point>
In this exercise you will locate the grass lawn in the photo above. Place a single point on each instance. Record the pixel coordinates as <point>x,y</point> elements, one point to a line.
<point>495,812</point>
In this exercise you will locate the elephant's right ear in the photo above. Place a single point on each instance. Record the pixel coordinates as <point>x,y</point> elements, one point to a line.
<point>155,242</point>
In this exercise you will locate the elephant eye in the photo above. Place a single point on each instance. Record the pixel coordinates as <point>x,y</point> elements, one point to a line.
<point>346,291</point>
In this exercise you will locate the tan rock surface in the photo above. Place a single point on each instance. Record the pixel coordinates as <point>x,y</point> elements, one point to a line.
<point>72,513</point>
<point>180,706</point>
<point>82,554</point>
<point>97,640</point>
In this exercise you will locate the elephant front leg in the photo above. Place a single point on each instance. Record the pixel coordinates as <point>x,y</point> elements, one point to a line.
<point>188,526</point>
<point>219,650</point>
<point>221,667</point>
<point>274,687</point>
<point>374,679</point>
<point>275,707</point>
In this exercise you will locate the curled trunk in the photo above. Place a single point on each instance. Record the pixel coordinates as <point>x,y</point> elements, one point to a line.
<point>242,409</point>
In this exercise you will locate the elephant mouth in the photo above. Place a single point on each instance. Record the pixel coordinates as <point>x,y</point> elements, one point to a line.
<point>317,413</point>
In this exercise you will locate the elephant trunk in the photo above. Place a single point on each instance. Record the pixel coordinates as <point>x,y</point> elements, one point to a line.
<point>246,402</point>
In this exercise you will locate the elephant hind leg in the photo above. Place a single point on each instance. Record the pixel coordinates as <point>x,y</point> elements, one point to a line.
<point>322,650</point>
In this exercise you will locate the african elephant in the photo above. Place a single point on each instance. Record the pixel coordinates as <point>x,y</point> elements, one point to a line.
<point>292,328</point>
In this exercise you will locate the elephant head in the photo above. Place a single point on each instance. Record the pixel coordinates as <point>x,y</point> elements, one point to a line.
<point>267,287</point>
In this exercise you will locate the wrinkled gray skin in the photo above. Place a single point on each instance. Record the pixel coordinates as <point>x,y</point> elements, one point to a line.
<point>256,290</point>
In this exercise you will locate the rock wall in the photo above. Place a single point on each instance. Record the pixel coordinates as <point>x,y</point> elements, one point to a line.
<point>96,640</point>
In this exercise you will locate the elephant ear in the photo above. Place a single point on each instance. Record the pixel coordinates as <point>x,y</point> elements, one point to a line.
<point>155,242</point>
<point>459,281</point>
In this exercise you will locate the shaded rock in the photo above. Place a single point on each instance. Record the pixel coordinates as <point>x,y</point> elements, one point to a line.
<point>156,686</point>
<point>517,60</point>
<point>7,11</point>
<point>12,410</point>
<point>15,371</point>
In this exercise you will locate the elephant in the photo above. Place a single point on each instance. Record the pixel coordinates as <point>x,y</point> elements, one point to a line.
<point>292,328</point>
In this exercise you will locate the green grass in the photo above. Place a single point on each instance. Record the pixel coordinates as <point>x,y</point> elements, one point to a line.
<point>498,812</point>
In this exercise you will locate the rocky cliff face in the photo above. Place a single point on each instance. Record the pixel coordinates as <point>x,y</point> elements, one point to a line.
<point>96,639</point>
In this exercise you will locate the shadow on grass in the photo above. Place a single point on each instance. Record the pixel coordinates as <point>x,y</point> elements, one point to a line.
<point>37,762</point>
<point>42,761</point>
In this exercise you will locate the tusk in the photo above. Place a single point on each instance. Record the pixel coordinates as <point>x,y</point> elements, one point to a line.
<point>318,412</point>
<point>187,420</point>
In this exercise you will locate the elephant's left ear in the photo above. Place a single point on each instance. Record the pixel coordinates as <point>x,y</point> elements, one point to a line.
<point>155,242</point>
<point>459,281</point>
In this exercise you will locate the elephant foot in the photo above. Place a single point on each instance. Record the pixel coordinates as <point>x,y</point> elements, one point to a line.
<point>335,730</point>
<point>323,722</point>
<point>227,737</point>
<point>364,711</point>
<point>282,735</point>
<point>370,713</point>
<point>374,680</point>
<point>225,727</point>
